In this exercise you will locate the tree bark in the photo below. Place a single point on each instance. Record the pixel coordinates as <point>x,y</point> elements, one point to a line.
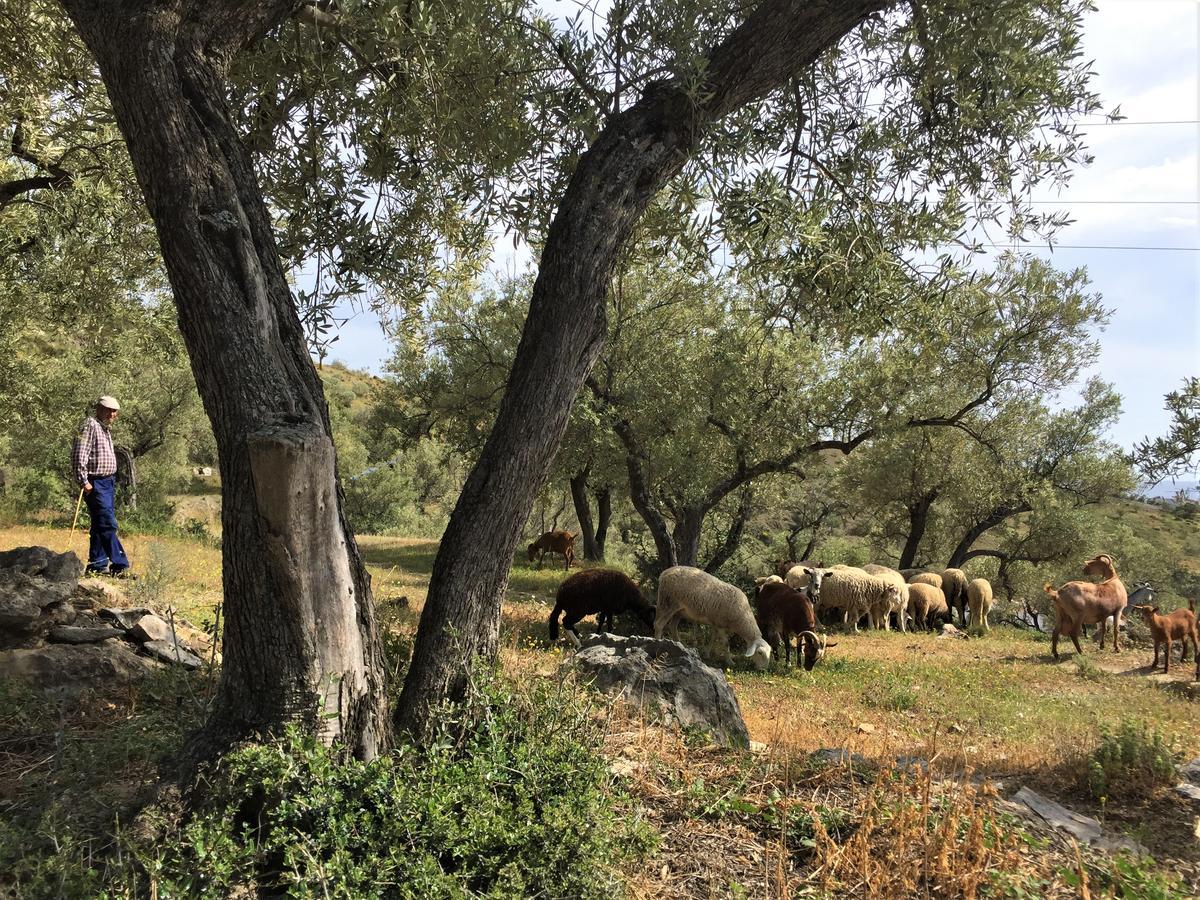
<point>583,512</point>
<point>603,519</point>
<point>300,641</point>
<point>918,520</point>
<point>997,516</point>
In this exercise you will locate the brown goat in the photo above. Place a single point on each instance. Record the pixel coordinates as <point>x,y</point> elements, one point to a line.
<point>1079,603</point>
<point>783,611</point>
<point>562,542</point>
<point>1178,625</point>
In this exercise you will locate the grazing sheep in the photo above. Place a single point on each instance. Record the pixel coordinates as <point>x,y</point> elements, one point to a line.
<point>765,580</point>
<point>979,598</point>
<point>1079,603</point>
<point>783,611</point>
<point>685,592</point>
<point>562,542</point>
<point>927,604</point>
<point>930,578</point>
<point>604,592</point>
<point>1176,626</point>
<point>854,592</point>
<point>900,608</point>
<point>954,586</point>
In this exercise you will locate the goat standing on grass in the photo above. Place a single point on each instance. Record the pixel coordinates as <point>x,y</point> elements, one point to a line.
<point>784,611</point>
<point>1079,603</point>
<point>562,542</point>
<point>603,592</point>
<point>1179,625</point>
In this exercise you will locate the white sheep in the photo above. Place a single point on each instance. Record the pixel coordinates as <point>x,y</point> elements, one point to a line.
<point>855,591</point>
<point>685,592</point>
<point>979,598</point>
<point>954,586</point>
<point>898,606</point>
<point>930,578</point>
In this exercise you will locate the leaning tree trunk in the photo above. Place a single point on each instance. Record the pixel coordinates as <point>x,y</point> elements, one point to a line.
<point>583,512</point>
<point>603,519</point>
<point>918,520</point>
<point>300,641</point>
<point>636,153</point>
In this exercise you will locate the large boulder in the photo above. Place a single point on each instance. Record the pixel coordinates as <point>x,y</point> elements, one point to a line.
<point>35,591</point>
<point>65,669</point>
<point>666,678</point>
<point>42,562</point>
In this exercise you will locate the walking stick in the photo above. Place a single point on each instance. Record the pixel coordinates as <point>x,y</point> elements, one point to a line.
<point>75,521</point>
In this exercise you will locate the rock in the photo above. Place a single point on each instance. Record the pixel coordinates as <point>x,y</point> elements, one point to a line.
<point>170,652</point>
<point>98,593</point>
<point>125,618</point>
<point>908,763</point>
<point>151,628</point>
<point>82,634</point>
<point>1082,828</point>
<point>866,728</point>
<point>30,604</point>
<point>949,631</point>
<point>63,669</point>
<point>758,747</point>
<point>42,562</point>
<point>838,756</point>
<point>667,677</point>
<point>1188,791</point>
<point>193,639</point>
<point>1191,771</point>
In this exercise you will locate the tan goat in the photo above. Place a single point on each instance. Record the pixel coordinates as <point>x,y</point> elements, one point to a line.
<point>1079,603</point>
<point>553,542</point>
<point>1176,626</point>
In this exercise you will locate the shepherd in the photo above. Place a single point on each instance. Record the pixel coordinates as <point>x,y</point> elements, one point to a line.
<point>94,464</point>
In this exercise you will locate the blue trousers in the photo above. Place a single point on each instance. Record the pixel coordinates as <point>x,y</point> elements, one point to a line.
<point>105,548</point>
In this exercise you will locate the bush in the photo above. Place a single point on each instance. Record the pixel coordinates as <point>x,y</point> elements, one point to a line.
<point>511,799</point>
<point>1131,762</point>
<point>33,490</point>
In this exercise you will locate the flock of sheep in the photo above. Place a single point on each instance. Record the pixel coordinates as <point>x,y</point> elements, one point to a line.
<point>786,604</point>
<point>789,603</point>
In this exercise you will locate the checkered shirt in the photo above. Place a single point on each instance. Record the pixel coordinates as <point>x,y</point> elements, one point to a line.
<point>93,452</point>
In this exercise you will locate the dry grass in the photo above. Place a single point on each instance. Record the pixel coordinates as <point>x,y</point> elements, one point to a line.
<point>773,825</point>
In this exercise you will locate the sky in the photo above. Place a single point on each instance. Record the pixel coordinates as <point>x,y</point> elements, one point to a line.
<point>1142,192</point>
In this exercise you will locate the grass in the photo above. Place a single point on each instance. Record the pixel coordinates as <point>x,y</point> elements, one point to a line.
<point>997,707</point>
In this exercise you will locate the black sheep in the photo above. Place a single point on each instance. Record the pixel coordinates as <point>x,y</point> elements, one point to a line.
<point>603,592</point>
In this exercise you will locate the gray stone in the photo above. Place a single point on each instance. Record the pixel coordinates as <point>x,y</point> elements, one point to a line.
<point>1083,828</point>
<point>125,618</point>
<point>82,634</point>
<point>31,606</point>
<point>42,562</point>
<point>949,631</point>
<point>1188,791</point>
<point>1191,771</point>
<point>838,756</point>
<point>908,763</point>
<point>98,593</point>
<point>667,678</point>
<point>170,652</point>
<point>63,669</point>
<point>151,628</point>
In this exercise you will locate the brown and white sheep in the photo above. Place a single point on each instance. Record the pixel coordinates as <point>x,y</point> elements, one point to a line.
<point>1079,603</point>
<point>561,542</point>
<point>954,586</point>
<point>782,612</point>
<point>1179,625</point>
<point>979,599</point>
<point>603,592</point>
<point>926,604</point>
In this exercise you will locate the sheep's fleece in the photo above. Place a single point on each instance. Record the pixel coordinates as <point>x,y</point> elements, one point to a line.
<point>685,592</point>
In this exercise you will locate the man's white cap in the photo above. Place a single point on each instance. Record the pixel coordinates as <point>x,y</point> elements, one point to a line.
<point>108,402</point>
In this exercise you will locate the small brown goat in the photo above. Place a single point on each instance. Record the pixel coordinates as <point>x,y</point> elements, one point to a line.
<point>1079,603</point>
<point>783,611</point>
<point>1176,626</point>
<point>562,542</point>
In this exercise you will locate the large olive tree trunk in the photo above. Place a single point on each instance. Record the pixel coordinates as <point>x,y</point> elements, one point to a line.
<point>635,154</point>
<point>300,640</point>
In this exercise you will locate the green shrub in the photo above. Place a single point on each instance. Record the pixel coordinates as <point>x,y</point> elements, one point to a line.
<point>1132,761</point>
<point>511,799</point>
<point>33,490</point>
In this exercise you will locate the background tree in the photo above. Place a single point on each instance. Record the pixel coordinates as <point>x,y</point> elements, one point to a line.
<point>1178,452</point>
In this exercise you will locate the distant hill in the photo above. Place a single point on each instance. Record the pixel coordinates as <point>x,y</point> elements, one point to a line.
<point>1169,489</point>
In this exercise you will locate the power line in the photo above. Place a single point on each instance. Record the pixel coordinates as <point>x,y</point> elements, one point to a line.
<point>1114,202</point>
<point>1128,122</point>
<point>1020,244</point>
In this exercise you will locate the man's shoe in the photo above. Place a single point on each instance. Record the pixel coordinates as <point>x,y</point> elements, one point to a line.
<point>123,574</point>
<point>96,573</point>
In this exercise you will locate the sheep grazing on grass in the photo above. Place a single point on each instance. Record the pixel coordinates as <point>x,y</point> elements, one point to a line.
<point>561,542</point>
<point>954,586</point>
<point>930,578</point>
<point>601,592</point>
<point>926,604</point>
<point>689,593</point>
<point>783,612</point>
<point>763,580</point>
<point>855,592</point>
<point>979,599</point>
<point>1179,625</point>
<point>881,613</point>
<point>1079,603</point>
